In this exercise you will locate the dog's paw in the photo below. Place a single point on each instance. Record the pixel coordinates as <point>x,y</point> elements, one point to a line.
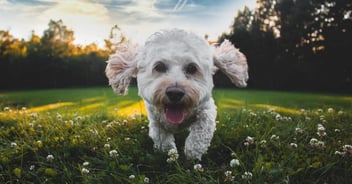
<point>164,147</point>
<point>194,151</point>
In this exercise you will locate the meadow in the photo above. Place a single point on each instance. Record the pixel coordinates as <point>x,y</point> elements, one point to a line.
<point>93,136</point>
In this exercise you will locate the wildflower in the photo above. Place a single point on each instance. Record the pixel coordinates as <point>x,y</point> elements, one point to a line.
<point>293,145</point>
<point>173,155</point>
<point>50,158</point>
<point>319,110</point>
<point>13,144</point>
<point>262,143</point>
<point>146,180</point>
<point>252,114</point>
<point>113,153</point>
<point>124,122</point>
<point>32,167</point>
<point>108,139</point>
<point>330,110</point>
<point>308,118</point>
<point>234,162</point>
<point>298,131</point>
<point>107,146</point>
<point>132,177</point>
<point>127,139</point>
<point>85,163</point>
<point>228,176</point>
<point>340,112</point>
<point>59,117</point>
<point>247,176</point>
<point>347,149</point>
<point>39,144</point>
<point>250,139</point>
<point>24,109</point>
<point>337,130</point>
<point>94,131</point>
<point>278,117</point>
<point>313,141</point>
<point>321,130</point>
<point>198,168</point>
<point>6,108</point>
<point>275,137</point>
<point>316,144</point>
<point>85,171</point>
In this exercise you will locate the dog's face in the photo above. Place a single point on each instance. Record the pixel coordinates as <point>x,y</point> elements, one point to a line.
<point>175,74</point>
<point>174,71</point>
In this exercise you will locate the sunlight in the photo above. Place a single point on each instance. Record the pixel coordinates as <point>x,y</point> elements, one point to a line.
<point>94,106</point>
<point>135,108</point>
<point>49,107</point>
<point>277,108</point>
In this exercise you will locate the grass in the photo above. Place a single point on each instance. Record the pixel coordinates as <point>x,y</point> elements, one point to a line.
<point>93,136</point>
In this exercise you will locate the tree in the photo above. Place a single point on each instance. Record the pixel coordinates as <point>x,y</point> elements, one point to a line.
<point>57,40</point>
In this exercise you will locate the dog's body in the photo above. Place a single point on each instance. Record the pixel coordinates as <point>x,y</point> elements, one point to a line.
<point>174,71</point>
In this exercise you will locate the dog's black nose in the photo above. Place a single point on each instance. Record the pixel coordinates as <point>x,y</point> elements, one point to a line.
<point>175,94</point>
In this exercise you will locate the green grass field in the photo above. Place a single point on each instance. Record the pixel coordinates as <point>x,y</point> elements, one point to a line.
<point>93,136</point>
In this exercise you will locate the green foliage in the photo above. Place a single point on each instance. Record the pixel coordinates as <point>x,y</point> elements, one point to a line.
<point>295,138</point>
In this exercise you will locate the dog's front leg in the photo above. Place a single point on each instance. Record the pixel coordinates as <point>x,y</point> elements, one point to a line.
<point>162,139</point>
<point>201,132</point>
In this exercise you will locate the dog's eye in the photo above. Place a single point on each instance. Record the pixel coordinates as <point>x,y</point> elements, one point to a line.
<point>160,67</point>
<point>191,69</point>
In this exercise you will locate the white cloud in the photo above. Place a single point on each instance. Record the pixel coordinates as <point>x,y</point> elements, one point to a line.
<point>91,20</point>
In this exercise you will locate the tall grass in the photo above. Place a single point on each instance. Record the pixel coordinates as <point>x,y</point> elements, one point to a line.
<point>261,137</point>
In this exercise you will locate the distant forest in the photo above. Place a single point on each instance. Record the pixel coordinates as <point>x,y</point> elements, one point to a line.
<point>290,45</point>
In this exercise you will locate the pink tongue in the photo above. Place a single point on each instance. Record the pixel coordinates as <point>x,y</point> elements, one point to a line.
<point>174,115</point>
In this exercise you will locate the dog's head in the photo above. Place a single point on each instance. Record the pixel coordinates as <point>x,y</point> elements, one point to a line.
<point>174,71</point>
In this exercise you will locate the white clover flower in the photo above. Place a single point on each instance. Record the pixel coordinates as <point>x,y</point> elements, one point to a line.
<point>347,149</point>
<point>340,112</point>
<point>321,130</point>
<point>32,167</point>
<point>85,163</point>
<point>234,162</point>
<point>85,171</point>
<point>330,110</point>
<point>298,131</point>
<point>337,130</point>
<point>293,145</point>
<point>59,116</point>
<point>313,141</point>
<point>132,177</point>
<point>13,144</point>
<point>127,139</point>
<point>198,168</point>
<point>124,122</point>
<point>113,153</point>
<point>24,108</point>
<point>228,176</point>
<point>252,114</point>
<point>7,109</point>
<point>275,137</point>
<point>250,139</point>
<point>278,117</point>
<point>247,176</point>
<point>107,146</point>
<point>50,158</point>
<point>146,180</point>
<point>173,155</point>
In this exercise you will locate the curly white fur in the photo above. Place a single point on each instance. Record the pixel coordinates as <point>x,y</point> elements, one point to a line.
<point>174,72</point>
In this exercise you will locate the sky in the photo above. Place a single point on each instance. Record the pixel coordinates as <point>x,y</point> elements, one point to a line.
<point>91,20</point>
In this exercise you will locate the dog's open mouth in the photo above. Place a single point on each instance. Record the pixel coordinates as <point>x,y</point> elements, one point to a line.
<point>174,114</point>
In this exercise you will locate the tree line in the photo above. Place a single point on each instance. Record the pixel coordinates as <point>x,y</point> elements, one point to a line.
<point>289,44</point>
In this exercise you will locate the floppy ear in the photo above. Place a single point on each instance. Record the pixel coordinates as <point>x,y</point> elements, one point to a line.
<point>232,62</point>
<point>122,66</point>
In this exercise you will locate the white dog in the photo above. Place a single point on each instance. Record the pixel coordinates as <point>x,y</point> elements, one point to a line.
<point>174,71</point>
